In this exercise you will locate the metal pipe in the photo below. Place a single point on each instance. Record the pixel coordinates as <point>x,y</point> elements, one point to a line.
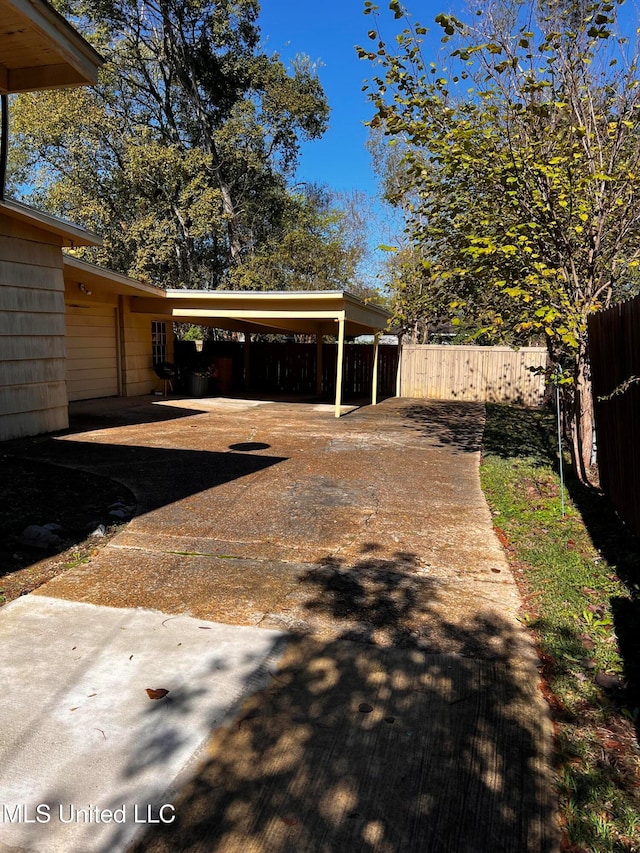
<point>560,460</point>
<point>4,143</point>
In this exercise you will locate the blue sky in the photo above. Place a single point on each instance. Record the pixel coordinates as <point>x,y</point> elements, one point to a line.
<point>327,32</point>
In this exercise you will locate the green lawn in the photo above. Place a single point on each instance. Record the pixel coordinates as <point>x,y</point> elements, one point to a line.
<point>578,576</point>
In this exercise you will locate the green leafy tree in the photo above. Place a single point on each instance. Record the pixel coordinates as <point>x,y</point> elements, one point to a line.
<point>315,246</point>
<point>523,156</point>
<point>181,155</point>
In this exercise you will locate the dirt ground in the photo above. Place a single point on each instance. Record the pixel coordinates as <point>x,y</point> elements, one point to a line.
<point>35,492</point>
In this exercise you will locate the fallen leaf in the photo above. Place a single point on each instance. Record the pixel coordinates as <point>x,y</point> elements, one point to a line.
<point>501,537</point>
<point>608,682</point>
<point>250,716</point>
<point>587,642</point>
<point>290,821</point>
<point>158,693</point>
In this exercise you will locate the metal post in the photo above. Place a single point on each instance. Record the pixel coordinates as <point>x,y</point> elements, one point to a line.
<point>560,462</point>
<point>399,368</point>
<point>340,364</point>
<point>319,344</point>
<point>4,143</point>
<point>247,361</point>
<point>374,381</point>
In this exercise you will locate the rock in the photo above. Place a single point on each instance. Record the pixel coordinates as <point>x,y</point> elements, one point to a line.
<point>38,536</point>
<point>121,510</point>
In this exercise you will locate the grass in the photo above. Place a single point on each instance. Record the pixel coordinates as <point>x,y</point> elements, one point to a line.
<point>578,576</point>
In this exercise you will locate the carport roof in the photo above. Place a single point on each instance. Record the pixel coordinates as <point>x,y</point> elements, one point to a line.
<point>302,312</point>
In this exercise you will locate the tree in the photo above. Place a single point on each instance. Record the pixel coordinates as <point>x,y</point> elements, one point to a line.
<point>311,249</point>
<point>524,159</point>
<point>181,156</point>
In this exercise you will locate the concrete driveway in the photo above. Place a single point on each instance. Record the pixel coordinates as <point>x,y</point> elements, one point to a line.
<point>334,620</point>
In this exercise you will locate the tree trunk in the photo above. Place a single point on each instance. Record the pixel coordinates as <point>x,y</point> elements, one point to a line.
<point>580,417</point>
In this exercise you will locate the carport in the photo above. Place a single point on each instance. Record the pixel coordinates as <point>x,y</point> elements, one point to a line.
<point>319,313</point>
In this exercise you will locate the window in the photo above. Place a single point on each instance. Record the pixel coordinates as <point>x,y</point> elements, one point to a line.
<point>158,341</point>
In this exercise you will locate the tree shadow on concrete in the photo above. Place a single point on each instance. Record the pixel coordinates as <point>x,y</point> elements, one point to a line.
<point>455,425</point>
<point>376,745</point>
<point>381,744</point>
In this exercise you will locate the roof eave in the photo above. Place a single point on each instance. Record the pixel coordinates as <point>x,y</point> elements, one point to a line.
<point>70,235</point>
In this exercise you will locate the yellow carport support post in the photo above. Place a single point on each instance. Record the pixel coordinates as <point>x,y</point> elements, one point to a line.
<point>319,343</point>
<point>247,361</point>
<point>340,363</point>
<point>399,370</point>
<point>374,380</point>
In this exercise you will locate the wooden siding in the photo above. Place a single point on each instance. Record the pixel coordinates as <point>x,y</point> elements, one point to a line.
<point>92,351</point>
<point>487,374</point>
<point>32,379</point>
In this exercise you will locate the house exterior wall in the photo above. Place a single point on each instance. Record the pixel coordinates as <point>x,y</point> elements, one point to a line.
<point>33,396</point>
<point>93,366</point>
<point>109,348</point>
<point>137,363</point>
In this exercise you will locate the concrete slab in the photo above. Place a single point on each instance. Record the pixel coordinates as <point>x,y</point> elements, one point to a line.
<point>367,536</point>
<point>373,749</point>
<point>82,739</point>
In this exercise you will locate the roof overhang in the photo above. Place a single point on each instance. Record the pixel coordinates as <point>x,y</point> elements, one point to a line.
<point>40,50</point>
<point>66,233</point>
<point>96,278</point>
<point>298,312</point>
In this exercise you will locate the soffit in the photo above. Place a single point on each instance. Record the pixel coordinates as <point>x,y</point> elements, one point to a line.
<point>39,49</point>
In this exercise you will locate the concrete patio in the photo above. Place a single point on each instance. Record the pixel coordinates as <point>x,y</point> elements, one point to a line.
<point>378,692</point>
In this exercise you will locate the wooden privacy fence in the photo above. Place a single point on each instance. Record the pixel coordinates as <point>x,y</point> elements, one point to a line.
<point>290,368</point>
<point>488,374</point>
<point>614,352</point>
